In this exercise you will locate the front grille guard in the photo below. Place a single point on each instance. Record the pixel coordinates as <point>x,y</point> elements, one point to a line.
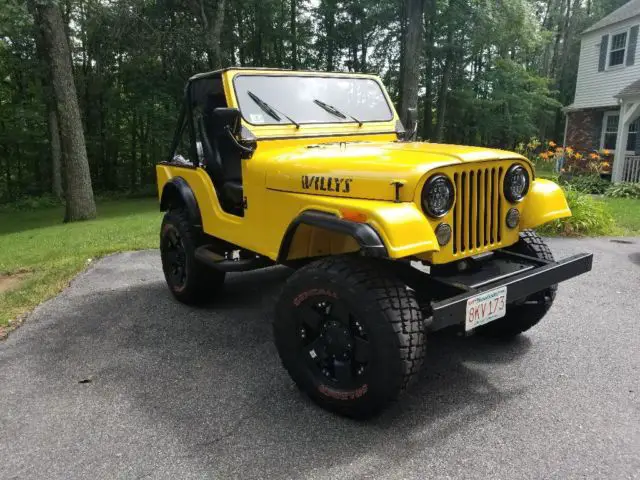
<point>477,213</point>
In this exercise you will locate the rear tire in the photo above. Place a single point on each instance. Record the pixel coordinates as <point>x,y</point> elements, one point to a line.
<point>189,281</point>
<point>350,334</point>
<point>521,318</point>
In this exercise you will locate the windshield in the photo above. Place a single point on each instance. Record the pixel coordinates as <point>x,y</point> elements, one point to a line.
<point>310,99</point>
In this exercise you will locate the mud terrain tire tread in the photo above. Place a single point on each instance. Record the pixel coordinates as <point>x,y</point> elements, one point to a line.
<point>202,281</point>
<point>377,289</point>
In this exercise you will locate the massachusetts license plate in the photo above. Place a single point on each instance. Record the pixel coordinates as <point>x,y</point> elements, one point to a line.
<point>486,307</point>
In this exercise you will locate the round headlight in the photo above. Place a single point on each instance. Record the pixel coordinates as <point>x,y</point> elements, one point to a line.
<point>516,183</point>
<point>437,196</point>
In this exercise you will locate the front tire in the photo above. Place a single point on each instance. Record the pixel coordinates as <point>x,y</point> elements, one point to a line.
<point>350,334</point>
<point>189,281</point>
<point>522,317</point>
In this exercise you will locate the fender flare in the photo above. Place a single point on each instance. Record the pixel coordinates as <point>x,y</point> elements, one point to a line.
<point>370,242</point>
<point>177,190</point>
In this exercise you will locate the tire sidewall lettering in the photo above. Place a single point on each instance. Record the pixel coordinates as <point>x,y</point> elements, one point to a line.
<point>344,395</point>
<point>314,292</point>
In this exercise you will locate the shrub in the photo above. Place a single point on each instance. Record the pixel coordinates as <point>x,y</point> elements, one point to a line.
<point>31,203</point>
<point>623,190</point>
<point>589,217</point>
<point>587,184</point>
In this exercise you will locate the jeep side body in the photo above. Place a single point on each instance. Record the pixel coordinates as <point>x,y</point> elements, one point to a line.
<point>391,238</point>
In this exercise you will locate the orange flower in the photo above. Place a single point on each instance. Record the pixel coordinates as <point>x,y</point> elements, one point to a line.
<point>594,156</point>
<point>605,164</point>
<point>578,156</point>
<point>552,143</point>
<point>569,150</point>
<point>544,155</point>
<point>606,152</point>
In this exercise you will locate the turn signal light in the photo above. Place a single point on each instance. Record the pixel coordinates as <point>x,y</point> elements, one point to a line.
<point>354,216</point>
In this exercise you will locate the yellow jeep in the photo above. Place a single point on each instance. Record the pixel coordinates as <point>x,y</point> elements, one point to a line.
<point>390,238</point>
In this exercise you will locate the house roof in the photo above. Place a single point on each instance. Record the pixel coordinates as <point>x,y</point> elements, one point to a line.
<point>631,90</point>
<point>628,10</point>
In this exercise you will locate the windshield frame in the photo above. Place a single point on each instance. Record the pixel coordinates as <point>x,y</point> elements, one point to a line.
<point>293,74</point>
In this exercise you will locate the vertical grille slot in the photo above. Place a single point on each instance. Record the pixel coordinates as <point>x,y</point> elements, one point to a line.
<point>494,210</point>
<point>480,208</point>
<point>465,211</point>
<point>499,220</point>
<point>456,216</point>
<point>473,209</point>
<point>477,212</point>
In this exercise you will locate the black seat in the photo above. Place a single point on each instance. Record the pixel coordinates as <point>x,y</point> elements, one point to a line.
<point>223,159</point>
<point>233,191</point>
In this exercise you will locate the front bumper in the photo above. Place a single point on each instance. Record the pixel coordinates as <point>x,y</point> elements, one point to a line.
<point>521,274</point>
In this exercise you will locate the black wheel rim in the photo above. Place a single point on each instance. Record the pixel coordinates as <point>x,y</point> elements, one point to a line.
<point>334,343</point>
<point>175,259</point>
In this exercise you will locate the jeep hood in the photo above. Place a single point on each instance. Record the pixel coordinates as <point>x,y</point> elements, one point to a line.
<point>366,169</point>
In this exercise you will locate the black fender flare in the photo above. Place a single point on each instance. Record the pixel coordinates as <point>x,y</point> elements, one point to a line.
<point>178,191</point>
<point>370,242</point>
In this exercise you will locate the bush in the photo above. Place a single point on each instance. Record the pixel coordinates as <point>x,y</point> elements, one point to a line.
<point>589,217</point>
<point>587,184</point>
<point>32,203</point>
<point>624,190</point>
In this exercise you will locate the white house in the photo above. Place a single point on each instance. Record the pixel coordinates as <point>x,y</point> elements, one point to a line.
<point>605,114</point>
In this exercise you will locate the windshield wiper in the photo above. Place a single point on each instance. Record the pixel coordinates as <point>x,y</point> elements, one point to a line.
<point>335,112</point>
<point>269,110</point>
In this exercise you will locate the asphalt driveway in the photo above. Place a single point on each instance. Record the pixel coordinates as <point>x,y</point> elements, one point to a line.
<point>114,379</point>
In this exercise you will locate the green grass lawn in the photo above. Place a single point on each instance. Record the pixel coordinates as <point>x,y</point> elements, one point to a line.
<point>626,212</point>
<point>51,253</point>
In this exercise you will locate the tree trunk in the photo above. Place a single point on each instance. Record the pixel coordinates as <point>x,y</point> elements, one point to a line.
<point>444,88</point>
<point>212,31</point>
<point>430,19</point>
<point>216,33</point>
<point>52,116</point>
<point>294,38</point>
<point>411,63</point>
<point>330,21</point>
<point>134,148</point>
<point>80,204</point>
<point>56,155</point>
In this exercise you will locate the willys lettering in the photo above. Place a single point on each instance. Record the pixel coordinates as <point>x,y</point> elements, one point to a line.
<point>326,184</point>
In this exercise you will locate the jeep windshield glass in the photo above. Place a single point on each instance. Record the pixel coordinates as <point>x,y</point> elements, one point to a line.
<point>362,98</point>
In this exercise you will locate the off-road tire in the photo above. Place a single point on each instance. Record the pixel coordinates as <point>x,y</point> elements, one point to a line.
<point>521,317</point>
<point>200,282</point>
<point>388,312</point>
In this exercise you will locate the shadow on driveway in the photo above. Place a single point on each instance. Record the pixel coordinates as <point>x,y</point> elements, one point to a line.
<point>211,379</point>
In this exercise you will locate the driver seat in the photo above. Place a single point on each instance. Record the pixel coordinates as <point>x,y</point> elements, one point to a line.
<point>223,160</point>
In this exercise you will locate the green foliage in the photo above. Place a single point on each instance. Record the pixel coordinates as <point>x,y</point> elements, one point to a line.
<point>592,184</point>
<point>498,83</point>
<point>31,203</point>
<point>624,190</point>
<point>589,217</point>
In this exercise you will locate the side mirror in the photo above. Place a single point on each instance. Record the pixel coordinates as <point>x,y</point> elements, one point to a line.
<point>412,120</point>
<point>228,118</point>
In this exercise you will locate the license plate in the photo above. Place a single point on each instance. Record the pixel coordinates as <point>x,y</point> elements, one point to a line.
<point>486,307</point>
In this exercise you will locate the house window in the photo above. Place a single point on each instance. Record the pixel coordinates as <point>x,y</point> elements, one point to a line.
<point>632,138</point>
<point>618,48</point>
<point>610,132</point>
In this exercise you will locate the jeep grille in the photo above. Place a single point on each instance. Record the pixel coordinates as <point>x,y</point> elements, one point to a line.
<point>477,213</point>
